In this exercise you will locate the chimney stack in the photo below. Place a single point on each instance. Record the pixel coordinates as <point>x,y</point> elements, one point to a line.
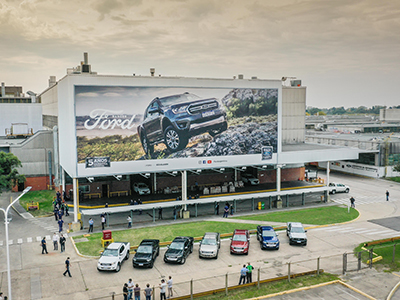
<point>3,90</point>
<point>85,58</point>
<point>52,81</point>
<point>152,71</point>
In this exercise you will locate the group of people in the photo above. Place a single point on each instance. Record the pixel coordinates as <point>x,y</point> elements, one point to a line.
<point>227,209</point>
<point>60,208</point>
<point>246,274</point>
<point>2,297</point>
<point>131,290</point>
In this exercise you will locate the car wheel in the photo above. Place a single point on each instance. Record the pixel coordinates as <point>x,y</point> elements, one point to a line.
<point>183,260</point>
<point>191,249</point>
<point>219,130</point>
<point>261,246</point>
<point>151,265</point>
<point>118,267</point>
<point>127,256</point>
<point>347,190</point>
<point>333,192</point>
<point>148,149</point>
<point>277,248</point>
<point>158,251</point>
<point>247,253</point>
<point>216,256</point>
<point>173,140</point>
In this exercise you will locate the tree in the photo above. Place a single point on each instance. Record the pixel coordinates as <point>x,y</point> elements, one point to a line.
<point>9,175</point>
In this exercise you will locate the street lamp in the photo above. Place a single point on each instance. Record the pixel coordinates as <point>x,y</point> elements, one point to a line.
<point>6,222</point>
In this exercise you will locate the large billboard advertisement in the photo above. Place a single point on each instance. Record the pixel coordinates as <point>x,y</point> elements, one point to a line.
<point>116,124</point>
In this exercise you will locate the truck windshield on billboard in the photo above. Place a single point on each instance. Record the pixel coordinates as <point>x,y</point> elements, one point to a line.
<point>150,123</point>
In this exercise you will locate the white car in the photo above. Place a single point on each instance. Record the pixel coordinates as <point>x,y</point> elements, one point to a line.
<point>141,188</point>
<point>338,188</point>
<point>113,256</point>
<point>249,178</point>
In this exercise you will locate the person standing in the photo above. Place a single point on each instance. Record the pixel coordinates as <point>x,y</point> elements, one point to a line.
<point>243,275</point>
<point>352,202</point>
<point>103,221</point>
<point>174,213</point>
<point>67,266</point>
<point>44,246</point>
<point>55,241</point>
<point>55,212</point>
<point>169,283</point>
<point>125,291</point>
<point>387,195</point>
<point>226,211</point>
<point>60,225</point>
<point>160,213</point>
<point>217,208</point>
<point>148,292</point>
<point>231,209</point>
<point>91,222</point>
<point>163,287</point>
<point>130,285</point>
<point>129,219</point>
<point>66,209</point>
<point>249,273</point>
<point>136,291</point>
<point>62,243</point>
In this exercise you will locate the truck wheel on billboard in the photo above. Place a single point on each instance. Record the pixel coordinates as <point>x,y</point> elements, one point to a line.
<point>219,130</point>
<point>173,140</point>
<point>148,149</point>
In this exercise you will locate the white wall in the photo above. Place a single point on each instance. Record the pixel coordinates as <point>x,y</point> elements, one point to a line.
<point>293,114</point>
<point>30,113</point>
<point>353,168</point>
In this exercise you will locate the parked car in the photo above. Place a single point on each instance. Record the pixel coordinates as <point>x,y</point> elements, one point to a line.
<point>113,256</point>
<point>179,250</point>
<point>296,233</point>
<point>267,237</point>
<point>209,245</point>
<point>172,120</point>
<point>250,179</point>
<point>240,242</point>
<point>146,253</point>
<point>141,188</point>
<point>338,188</point>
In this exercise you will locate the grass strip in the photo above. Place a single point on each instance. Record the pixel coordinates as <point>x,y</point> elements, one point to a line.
<point>386,250</point>
<point>45,199</point>
<point>316,216</point>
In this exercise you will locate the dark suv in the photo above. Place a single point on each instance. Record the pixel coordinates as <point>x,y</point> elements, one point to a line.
<point>146,253</point>
<point>172,120</point>
<point>179,249</point>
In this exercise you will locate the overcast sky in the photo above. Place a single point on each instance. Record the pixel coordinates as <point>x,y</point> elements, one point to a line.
<point>347,52</point>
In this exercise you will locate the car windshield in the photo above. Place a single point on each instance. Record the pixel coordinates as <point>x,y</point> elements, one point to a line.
<point>268,233</point>
<point>176,246</point>
<point>144,249</point>
<point>142,185</point>
<point>110,252</point>
<point>240,238</point>
<point>297,229</point>
<point>209,242</point>
<point>178,99</point>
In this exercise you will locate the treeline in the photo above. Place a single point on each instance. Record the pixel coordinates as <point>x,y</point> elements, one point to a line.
<point>346,111</point>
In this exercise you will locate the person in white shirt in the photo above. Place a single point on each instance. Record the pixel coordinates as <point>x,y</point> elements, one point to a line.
<point>163,288</point>
<point>169,283</point>
<point>55,241</point>
<point>131,285</point>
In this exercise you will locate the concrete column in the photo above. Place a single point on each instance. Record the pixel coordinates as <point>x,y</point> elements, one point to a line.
<point>278,178</point>
<point>57,182</point>
<point>328,171</point>
<point>155,183</point>
<point>76,225</point>
<point>184,189</point>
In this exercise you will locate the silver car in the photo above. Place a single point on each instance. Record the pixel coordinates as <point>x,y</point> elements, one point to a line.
<point>209,245</point>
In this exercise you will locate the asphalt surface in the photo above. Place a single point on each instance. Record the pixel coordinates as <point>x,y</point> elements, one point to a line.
<point>42,278</point>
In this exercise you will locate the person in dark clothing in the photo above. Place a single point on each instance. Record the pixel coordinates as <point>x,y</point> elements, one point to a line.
<point>231,208</point>
<point>387,195</point>
<point>66,209</point>
<point>65,195</point>
<point>55,212</point>
<point>58,195</point>
<point>62,243</point>
<point>160,213</point>
<point>174,213</point>
<point>352,202</point>
<point>217,208</point>
<point>226,211</point>
<point>44,246</point>
<point>125,291</point>
<point>60,225</point>
<point>67,266</point>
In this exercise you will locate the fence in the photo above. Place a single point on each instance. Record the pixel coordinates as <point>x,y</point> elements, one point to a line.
<point>225,283</point>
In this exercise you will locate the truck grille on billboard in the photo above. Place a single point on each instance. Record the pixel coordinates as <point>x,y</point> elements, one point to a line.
<point>198,108</point>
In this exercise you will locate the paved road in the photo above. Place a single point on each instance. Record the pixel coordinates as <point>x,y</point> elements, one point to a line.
<point>42,278</point>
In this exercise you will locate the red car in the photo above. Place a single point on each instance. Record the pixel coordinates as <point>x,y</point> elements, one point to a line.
<point>240,242</point>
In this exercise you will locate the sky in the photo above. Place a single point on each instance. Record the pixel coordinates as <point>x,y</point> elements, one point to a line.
<point>347,52</point>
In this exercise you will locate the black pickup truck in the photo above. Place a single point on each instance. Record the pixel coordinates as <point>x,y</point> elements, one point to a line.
<point>179,250</point>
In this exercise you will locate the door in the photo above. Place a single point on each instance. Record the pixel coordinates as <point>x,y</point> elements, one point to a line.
<point>104,189</point>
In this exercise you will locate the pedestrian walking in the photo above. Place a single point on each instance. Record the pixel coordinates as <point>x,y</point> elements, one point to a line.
<point>130,288</point>
<point>125,291</point>
<point>55,212</point>
<point>106,205</point>
<point>103,221</point>
<point>352,202</point>
<point>129,219</point>
<point>148,292</point>
<point>163,288</point>
<point>160,213</point>
<point>67,266</point>
<point>44,246</point>
<point>169,284</point>
<point>226,211</point>
<point>60,225</point>
<point>249,273</point>
<point>62,243</point>
<point>136,291</point>
<point>55,241</point>
<point>66,209</point>
<point>91,222</point>
<point>243,275</point>
<point>387,195</point>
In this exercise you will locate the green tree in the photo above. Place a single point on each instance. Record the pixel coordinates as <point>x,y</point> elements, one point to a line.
<point>9,175</point>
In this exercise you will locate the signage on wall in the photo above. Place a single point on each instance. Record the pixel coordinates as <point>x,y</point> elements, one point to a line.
<point>267,152</point>
<point>97,162</point>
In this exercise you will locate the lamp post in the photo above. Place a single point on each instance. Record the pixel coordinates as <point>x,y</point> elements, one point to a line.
<point>6,222</point>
